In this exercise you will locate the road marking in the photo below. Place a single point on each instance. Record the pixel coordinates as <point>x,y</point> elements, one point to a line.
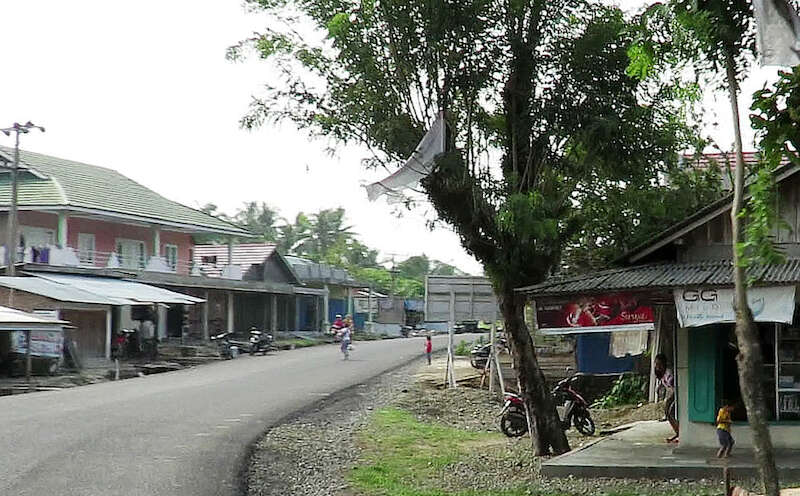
<point>247,414</point>
<point>202,434</point>
<point>222,427</point>
<point>233,420</point>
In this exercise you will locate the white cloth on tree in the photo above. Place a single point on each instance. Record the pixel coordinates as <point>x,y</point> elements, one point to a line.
<point>778,32</point>
<point>419,165</point>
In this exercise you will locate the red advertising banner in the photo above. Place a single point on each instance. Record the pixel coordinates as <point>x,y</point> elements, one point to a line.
<point>608,310</point>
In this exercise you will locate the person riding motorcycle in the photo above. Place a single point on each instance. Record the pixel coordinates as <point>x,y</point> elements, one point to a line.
<point>344,333</point>
<point>338,323</point>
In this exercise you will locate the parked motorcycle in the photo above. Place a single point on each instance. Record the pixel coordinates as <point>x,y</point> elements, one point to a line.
<point>260,342</point>
<point>126,345</point>
<point>480,353</point>
<point>514,422</point>
<point>576,409</point>
<point>224,347</point>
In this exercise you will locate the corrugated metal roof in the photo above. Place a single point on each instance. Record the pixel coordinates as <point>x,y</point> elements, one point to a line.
<point>120,290</point>
<point>59,292</point>
<point>245,255</point>
<point>12,319</point>
<point>310,271</point>
<point>664,276</point>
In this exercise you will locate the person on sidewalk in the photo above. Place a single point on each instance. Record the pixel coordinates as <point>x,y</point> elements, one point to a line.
<point>428,348</point>
<point>667,379</point>
<point>724,430</point>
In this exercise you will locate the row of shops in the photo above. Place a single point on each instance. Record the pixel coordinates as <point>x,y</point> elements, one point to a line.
<point>674,295</point>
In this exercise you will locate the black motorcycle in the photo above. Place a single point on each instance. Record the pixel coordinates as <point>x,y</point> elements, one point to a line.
<point>261,343</point>
<point>576,408</point>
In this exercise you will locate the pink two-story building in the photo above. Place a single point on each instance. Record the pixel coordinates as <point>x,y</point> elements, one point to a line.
<point>86,230</point>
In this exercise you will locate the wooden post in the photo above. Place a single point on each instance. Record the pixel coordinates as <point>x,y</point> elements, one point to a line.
<point>493,351</point>
<point>205,318</point>
<point>274,315</point>
<point>450,338</point>
<point>726,478</point>
<point>28,362</point>
<point>229,309</point>
<point>655,346</point>
<point>109,333</point>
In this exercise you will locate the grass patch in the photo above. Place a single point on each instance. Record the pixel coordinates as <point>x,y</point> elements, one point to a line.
<point>402,454</point>
<point>404,457</point>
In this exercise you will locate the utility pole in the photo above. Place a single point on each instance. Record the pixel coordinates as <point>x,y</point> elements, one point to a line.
<point>13,225</point>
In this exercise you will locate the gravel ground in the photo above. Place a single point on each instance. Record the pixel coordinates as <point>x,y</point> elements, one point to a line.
<point>310,454</point>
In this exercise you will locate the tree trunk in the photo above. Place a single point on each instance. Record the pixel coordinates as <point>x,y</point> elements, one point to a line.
<point>545,426</point>
<point>749,360</point>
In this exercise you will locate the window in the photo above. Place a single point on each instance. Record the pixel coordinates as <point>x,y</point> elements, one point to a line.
<point>37,236</point>
<point>86,248</point>
<point>171,256</point>
<point>209,260</point>
<point>131,253</point>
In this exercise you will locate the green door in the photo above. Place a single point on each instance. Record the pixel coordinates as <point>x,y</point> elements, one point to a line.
<point>705,361</point>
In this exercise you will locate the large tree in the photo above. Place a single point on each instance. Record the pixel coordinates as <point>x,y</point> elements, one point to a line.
<point>716,40</point>
<point>544,124</point>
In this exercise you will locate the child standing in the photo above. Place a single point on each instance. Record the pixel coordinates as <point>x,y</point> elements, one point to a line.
<point>724,430</point>
<point>428,348</point>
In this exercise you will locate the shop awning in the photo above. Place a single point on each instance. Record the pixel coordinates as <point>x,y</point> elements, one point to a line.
<point>12,319</point>
<point>96,290</point>
<point>119,289</point>
<point>56,291</point>
<point>588,330</point>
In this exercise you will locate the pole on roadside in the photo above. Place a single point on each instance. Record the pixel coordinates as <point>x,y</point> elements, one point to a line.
<point>492,350</point>
<point>12,241</point>
<point>28,362</point>
<point>451,375</point>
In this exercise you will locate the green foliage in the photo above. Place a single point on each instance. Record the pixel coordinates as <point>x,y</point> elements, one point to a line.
<point>761,221</point>
<point>463,348</point>
<point>401,453</point>
<point>776,118</point>
<point>556,104</point>
<point>629,389</point>
<point>386,280</point>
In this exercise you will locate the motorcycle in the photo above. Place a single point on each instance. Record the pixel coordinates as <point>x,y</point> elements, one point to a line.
<point>514,422</point>
<point>480,353</point>
<point>576,409</point>
<point>260,342</point>
<point>224,347</point>
<point>126,345</point>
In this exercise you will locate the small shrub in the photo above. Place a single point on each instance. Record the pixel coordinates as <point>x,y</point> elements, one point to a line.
<point>463,348</point>
<point>629,389</point>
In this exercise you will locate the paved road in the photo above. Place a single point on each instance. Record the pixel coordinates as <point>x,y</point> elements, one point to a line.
<point>180,433</point>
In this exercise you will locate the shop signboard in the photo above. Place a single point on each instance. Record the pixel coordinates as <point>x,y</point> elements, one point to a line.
<point>596,313</point>
<point>48,344</point>
<point>703,306</point>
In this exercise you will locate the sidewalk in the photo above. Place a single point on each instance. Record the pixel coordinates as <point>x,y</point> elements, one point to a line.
<point>640,452</point>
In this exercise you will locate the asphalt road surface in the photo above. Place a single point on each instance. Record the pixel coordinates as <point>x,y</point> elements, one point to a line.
<point>179,433</point>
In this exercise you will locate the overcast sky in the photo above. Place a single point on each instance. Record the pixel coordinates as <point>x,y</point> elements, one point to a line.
<point>143,87</point>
